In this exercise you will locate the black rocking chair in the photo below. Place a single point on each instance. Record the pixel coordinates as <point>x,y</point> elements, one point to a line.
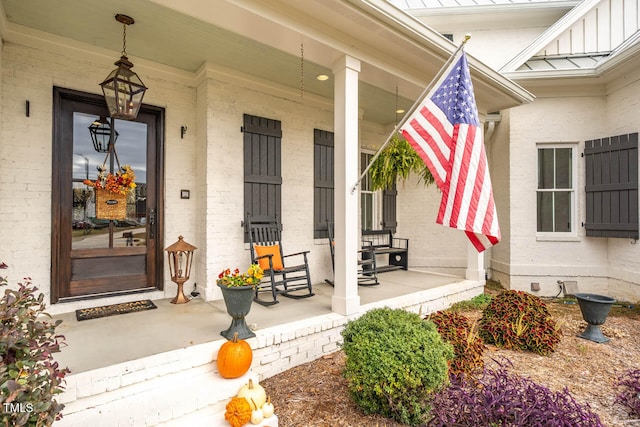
<point>367,271</point>
<point>280,277</point>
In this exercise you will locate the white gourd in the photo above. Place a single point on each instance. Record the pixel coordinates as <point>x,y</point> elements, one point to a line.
<point>267,408</point>
<point>256,415</point>
<point>254,393</point>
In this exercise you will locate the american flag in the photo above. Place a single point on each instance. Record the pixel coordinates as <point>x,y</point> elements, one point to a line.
<point>445,131</point>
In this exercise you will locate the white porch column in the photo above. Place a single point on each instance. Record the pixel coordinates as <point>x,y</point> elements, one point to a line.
<point>345,298</point>
<point>475,264</point>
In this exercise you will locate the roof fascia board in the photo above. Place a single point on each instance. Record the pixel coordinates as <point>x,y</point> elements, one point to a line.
<point>552,32</point>
<point>622,53</point>
<point>546,74</point>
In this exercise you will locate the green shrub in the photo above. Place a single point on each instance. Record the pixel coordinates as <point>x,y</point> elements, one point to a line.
<point>29,377</point>
<point>468,347</point>
<point>520,321</point>
<point>395,362</point>
<point>479,302</point>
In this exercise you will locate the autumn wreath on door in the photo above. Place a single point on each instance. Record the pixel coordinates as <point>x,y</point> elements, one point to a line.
<point>112,190</point>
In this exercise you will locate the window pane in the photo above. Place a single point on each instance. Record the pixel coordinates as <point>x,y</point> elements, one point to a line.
<point>89,232</point>
<point>545,211</point>
<point>562,206</point>
<point>366,210</point>
<point>545,167</point>
<point>365,158</point>
<point>563,168</point>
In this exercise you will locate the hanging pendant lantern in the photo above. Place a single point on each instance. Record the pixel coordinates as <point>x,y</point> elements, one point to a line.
<point>100,131</point>
<point>123,90</point>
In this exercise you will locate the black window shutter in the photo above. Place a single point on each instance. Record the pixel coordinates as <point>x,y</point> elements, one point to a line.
<point>611,186</point>
<point>262,173</point>
<point>323,165</point>
<point>389,219</point>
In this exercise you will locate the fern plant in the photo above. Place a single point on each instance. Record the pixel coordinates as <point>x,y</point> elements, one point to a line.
<point>397,161</point>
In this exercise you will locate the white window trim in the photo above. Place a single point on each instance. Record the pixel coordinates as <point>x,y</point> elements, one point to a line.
<point>570,236</point>
<point>376,199</point>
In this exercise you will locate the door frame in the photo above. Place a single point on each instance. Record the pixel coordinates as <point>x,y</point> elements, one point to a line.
<point>60,200</point>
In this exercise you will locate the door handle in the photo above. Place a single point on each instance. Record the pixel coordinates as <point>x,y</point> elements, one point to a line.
<point>152,223</point>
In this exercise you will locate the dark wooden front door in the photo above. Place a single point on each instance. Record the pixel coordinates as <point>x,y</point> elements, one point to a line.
<point>90,256</point>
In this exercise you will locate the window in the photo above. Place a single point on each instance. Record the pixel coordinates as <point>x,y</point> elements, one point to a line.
<point>556,192</point>
<point>372,217</point>
<point>368,205</point>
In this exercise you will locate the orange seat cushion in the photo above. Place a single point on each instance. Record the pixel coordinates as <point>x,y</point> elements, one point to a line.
<point>269,250</point>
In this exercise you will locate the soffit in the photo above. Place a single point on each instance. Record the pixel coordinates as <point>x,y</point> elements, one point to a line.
<point>267,40</point>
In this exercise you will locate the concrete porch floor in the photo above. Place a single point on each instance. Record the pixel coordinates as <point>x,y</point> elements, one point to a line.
<point>97,343</point>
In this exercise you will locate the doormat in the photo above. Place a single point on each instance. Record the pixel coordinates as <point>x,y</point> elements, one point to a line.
<point>110,310</point>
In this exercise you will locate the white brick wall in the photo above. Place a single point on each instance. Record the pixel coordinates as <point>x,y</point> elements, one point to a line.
<point>29,73</point>
<point>208,162</point>
<point>227,102</point>
<point>600,265</point>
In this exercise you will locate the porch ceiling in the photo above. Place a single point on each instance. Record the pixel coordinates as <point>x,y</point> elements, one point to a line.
<point>264,39</point>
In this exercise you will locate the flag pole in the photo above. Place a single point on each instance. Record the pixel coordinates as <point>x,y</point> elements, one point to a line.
<point>411,110</point>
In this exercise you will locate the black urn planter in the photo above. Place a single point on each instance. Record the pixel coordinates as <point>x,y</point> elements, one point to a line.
<point>238,300</point>
<point>595,309</point>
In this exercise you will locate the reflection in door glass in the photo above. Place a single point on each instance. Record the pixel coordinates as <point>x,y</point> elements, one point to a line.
<point>89,232</point>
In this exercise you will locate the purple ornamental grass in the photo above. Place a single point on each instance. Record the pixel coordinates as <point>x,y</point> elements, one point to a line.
<point>500,398</point>
<point>628,386</point>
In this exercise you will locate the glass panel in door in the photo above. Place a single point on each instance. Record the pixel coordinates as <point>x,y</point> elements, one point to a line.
<point>88,231</point>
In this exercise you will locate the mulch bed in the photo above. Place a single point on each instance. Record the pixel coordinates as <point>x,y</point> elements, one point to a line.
<point>315,394</point>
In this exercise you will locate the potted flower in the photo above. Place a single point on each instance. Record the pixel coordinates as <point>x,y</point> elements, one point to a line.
<point>111,192</point>
<point>238,291</point>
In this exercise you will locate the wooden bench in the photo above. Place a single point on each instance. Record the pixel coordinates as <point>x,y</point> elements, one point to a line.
<point>383,243</point>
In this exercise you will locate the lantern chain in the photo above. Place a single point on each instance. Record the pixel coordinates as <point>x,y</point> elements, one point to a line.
<point>124,39</point>
<point>396,104</point>
<point>302,70</point>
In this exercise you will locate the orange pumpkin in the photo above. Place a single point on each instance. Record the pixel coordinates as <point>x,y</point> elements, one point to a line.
<point>234,358</point>
<point>238,412</point>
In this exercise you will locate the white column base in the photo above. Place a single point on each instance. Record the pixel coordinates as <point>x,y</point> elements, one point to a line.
<point>475,264</point>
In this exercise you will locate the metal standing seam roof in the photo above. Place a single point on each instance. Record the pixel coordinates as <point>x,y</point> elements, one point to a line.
<point>426,4</point>
<point>563,62</point>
